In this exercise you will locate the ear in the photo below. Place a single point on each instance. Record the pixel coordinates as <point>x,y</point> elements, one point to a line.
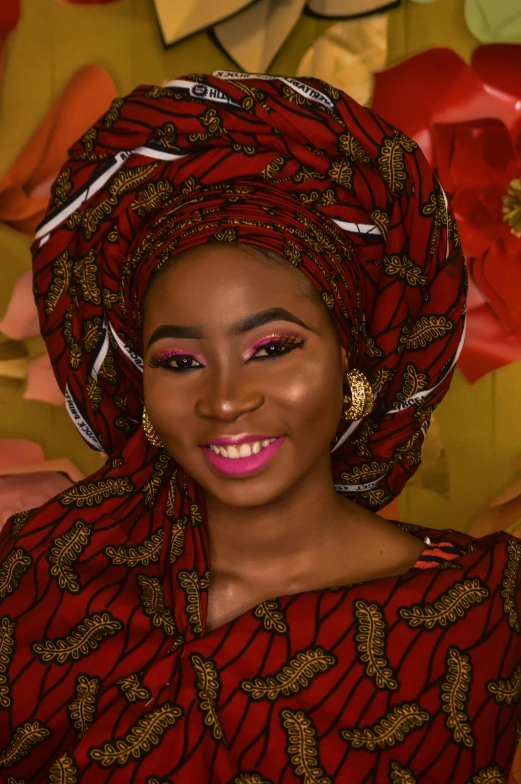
<point>345,361</point>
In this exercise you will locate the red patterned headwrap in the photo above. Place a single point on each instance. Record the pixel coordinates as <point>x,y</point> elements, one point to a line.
<point>294,166</point>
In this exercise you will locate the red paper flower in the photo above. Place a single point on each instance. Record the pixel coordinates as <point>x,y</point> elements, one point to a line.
<point>467,119</point>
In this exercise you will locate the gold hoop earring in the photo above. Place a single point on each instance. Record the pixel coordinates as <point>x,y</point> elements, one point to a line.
<point>360,401</point>
<point>149,430</point>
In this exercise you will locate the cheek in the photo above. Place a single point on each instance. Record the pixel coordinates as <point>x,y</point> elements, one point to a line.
<point>168,403</point>
<point>315,393</point>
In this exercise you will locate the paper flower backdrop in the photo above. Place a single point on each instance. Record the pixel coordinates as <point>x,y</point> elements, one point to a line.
<point>252,32</point>
<point>24,193</point>
<point>467,119</point>
<point>348,54</point>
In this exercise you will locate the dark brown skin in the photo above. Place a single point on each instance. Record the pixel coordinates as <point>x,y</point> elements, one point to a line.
<point>284,529</point>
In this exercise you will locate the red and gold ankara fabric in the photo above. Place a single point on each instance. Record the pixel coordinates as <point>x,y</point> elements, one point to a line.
<point>106,672</point>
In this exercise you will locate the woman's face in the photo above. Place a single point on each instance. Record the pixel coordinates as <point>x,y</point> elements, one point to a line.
<point>236,351</point>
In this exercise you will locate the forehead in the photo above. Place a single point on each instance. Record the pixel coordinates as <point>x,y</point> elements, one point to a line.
<point>214,272</point>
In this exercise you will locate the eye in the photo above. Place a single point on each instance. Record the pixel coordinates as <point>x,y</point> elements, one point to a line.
<point>178,363</point>
<point>276,347</point>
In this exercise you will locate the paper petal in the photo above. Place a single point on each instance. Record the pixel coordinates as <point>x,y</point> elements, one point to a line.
<point>347,54</point>
<point>487,346</point>
<point>253,37</point>
<point>86,97</point>
<point>21,317</point>
<point>27,491</point>
<point>19,451</point>
<point>490,20</point>
<point>186,17</point>
<point>347,8</point>
<point>41,382</point>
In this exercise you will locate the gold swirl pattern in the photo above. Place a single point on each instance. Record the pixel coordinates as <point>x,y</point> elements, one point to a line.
<point>425,330</point>
<point>62,188</point>
<point>155,780</point>
<point>7,627</point>
<point>452,605</point>
<point>189,582</point>
<point>302,747</point>
<point>381,219</point>
<point>351,147</point>
<point>367,472</point>
<point>170,501</point>
<point>123,182</point>
<point>63,771</point>
<point>177,538</point>
<point>151,197</point>
<point>65,551</point>
<point>490,775</point>
<point>153,601</point>
<point>93,493</point>
<point>250,778</point>
<point>195,515</point>
<point>61,275</point>
<point>293,677</point>
<point>413,382</point>
<point>272,617</point>
<point>399,775</point>
<point>176,644</point>
<point>113,112</point>
<point>509,585</point>
<point>208,688</point>
<point>392,728</point>
<point>85,637</point>
<point>404,267</point>
<point>146,733</point>
<point>370,644</point>
<point>25,737</point>
<point>153,485</point>
<point>454,695</point>
<point>132,688</point>
<point>505,691</point>
<point>83,706</point>
<point>147,552</point>
<point>12,569</point>
<point>391,165</point>
<point>18,521</point>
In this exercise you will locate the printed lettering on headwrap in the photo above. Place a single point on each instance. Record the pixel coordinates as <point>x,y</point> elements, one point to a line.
<point>300,87</point>
<point>204,91</point>
<point>81,423</point>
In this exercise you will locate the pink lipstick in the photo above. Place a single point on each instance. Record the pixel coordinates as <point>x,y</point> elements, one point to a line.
<point>240,466</point>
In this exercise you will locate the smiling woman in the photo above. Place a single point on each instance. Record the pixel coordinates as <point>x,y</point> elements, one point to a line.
<point>266,277</point>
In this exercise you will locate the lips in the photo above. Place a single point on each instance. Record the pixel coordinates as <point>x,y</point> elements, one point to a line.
<point>242,466</point>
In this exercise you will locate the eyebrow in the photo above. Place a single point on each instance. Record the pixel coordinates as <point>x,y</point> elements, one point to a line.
<point>237,328</point>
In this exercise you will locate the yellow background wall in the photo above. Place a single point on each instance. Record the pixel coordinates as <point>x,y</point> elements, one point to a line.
<point>480,425</point>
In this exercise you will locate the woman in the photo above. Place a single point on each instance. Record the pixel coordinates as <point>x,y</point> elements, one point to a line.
<point>273,271</point>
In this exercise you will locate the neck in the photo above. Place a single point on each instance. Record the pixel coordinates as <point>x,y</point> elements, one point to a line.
<point>282,540</point>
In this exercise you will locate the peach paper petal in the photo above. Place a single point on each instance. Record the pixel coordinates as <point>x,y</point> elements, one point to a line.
<point>19,451</point>
<point>27,491</point>
<point>21,317</point>
<point>25,188</point>
<point>41,382</point>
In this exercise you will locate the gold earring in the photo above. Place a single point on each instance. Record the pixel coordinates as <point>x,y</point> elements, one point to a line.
<point>149,430</point>
<point>360,401</point>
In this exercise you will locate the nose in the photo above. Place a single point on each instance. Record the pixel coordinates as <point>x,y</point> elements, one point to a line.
<point>227,394</point>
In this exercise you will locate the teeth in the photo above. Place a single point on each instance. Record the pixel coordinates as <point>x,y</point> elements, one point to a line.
<point>244,450</point>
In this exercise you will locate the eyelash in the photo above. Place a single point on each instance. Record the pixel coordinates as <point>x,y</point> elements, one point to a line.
<point>287,342</point>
